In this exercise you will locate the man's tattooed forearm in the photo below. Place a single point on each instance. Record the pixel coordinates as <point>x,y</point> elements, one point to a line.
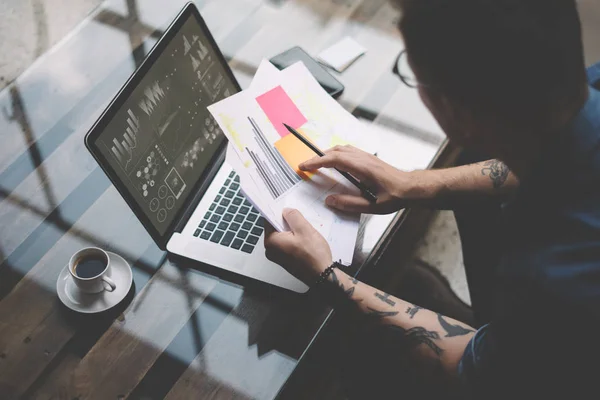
<point>385,298</point>
<point>418,335</point>
<point>381,314</point>
<point>497,171</point>
<point>412,311</point>
<point>354,280</point>
<point>452,330</point>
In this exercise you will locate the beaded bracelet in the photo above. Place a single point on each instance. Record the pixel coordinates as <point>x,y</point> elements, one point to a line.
<point>325,274</point>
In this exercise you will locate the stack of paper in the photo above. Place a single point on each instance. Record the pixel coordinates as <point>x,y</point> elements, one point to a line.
<point>266,156</point>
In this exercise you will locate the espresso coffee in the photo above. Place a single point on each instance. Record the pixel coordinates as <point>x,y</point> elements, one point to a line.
<point>90,266</point>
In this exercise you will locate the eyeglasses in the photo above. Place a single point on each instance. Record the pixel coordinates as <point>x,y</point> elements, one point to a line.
<point>404,71</point>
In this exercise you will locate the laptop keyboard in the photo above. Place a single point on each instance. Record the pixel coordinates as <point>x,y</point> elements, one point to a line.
<point>231,220</point>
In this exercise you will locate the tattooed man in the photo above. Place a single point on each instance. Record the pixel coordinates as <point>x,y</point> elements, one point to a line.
<point>504,78</point>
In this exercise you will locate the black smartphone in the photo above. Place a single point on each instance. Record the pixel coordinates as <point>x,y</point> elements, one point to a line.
<point>327,81</point>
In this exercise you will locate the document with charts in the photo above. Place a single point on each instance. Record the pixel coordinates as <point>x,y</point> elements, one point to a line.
<point>266,155</point>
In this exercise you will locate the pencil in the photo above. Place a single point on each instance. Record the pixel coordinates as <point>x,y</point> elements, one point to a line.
<point>363,189</point>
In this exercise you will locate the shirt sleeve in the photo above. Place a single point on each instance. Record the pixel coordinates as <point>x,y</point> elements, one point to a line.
<point>473,366</point>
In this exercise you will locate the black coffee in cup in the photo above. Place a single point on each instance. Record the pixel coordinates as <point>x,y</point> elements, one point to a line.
<point>90,266</point>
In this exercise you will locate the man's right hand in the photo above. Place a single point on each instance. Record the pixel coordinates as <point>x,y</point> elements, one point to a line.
<point>394,188</point>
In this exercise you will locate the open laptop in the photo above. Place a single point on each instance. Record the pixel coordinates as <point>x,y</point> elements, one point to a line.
<point>165,154</point>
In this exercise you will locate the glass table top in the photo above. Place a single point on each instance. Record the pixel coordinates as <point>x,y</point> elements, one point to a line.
<point>182,330</point>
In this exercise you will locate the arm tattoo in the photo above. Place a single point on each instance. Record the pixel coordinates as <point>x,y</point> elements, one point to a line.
<point>418,335</point>
<point>452,330</point>
<point>385,298</point>
<point>412,311</point>
<point>348,292</point>
<point>381,314</point>
<point>497,171</point>
<point>336,281</point>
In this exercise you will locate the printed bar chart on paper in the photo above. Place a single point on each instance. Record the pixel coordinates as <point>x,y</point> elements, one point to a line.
<point>266,155</point>
<point>277,174</point>
<point>280,109</point>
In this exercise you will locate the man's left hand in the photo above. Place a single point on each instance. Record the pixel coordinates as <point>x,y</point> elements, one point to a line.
<point>303,252</point>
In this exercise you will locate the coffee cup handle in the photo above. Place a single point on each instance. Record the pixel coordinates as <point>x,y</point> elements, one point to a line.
<point>110,285</point>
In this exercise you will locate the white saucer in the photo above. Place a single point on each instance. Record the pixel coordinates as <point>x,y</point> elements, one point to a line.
<point>72,297</point>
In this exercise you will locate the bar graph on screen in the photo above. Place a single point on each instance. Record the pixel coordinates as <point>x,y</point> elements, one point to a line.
<point>123,150</point>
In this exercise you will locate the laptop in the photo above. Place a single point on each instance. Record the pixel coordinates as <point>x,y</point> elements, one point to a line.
<point>165,154</point>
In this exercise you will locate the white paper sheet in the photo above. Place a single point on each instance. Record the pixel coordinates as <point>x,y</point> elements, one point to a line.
<point>342,54</point>
<point>269,181</point>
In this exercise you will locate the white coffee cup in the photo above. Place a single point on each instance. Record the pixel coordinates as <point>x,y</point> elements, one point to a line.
<point>98,282</point>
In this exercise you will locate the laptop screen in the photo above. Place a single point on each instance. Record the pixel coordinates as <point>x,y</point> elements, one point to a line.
<point>160,141</point>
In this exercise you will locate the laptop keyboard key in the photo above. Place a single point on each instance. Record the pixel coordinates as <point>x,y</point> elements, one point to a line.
<point>225,202</point>
<point>229,194</point>
<point>237,243</point>
<point>257,231</point>
<point>244,210</point>
<point>237,201</point>
<point>247,248</point>
<point>205,235</point>
<point>197,232</point>
<point>227,217</point>
<point>234,186</point>
<point>210,227</point>
<point>247,203</point>
<point>234,226</point>
<point>220,210</point>
<point>233,209</point>
<point>247,225</point>
<point>216,237</point>
<point>207,215</point>
<point>239,218</point>
<point>252,217</point>
<point>202,224</point>
<point>226,241</point>
<point>232,174</point>
<point>242,234</point>
<point>222,190</point>
<point>217,199</point>
<point>223,226</point>
<point>236,179</point>
<point>212,207</point>
<point>215,218</point>
<point>260,222</point>
<point>227,182</point>
<point>254,210</point>
<point>252,239</point>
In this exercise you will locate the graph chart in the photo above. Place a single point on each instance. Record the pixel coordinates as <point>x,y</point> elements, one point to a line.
<point>273,169</point>
<point>123,150</point>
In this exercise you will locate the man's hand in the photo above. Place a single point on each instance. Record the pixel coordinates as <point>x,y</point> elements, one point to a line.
<point>394,188</point>
<point>303,252</point>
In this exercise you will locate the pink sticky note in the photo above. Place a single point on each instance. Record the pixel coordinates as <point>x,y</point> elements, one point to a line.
<point>280,109</point>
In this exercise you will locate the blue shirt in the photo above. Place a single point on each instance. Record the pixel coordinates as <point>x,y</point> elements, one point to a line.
<point>544,339</point>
